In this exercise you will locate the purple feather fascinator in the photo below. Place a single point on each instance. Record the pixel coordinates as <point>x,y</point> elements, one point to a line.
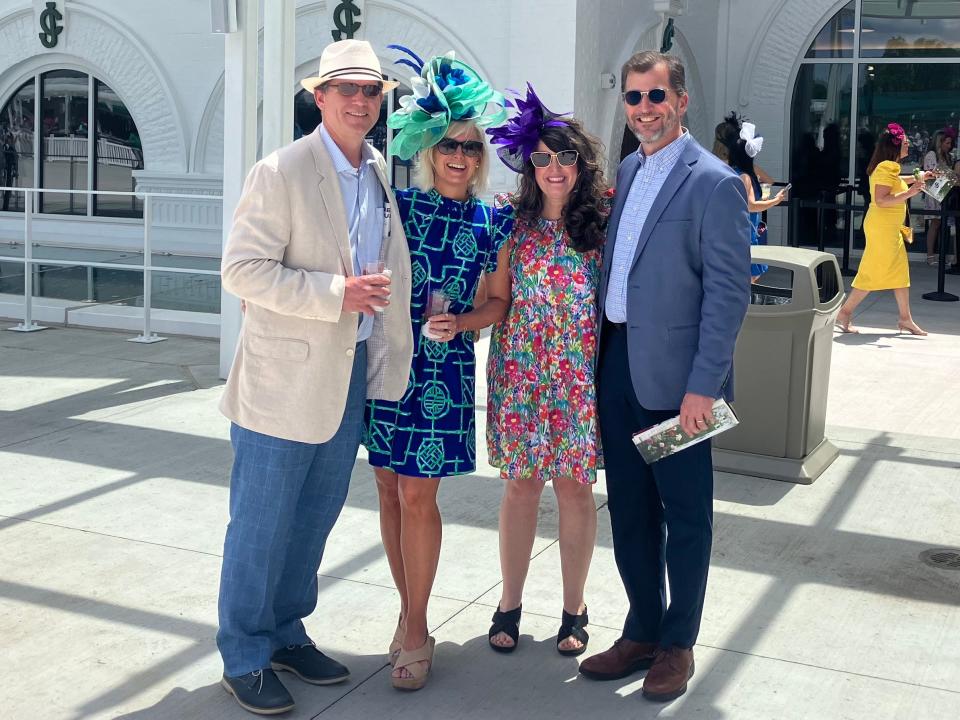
<point>521,133</point>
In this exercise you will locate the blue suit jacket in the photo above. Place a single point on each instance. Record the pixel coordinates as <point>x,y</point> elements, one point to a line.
<point>689,285</point>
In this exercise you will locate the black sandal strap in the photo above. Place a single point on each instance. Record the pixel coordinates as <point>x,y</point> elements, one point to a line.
<point>507,623</point>
<point>574,626</point>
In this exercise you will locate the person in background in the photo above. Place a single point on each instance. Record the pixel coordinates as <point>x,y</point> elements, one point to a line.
<point>725,135</point>
<point>741,153</point>
<point>938,158</point>
<point>454,240</point>
<point>541,407</point>
<point>884,264</point>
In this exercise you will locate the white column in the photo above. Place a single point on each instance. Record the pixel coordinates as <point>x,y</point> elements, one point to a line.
<point>239,148</point>
<point>279,40</point>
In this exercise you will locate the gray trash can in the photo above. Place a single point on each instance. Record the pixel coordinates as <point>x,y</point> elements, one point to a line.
<point>782,369</point>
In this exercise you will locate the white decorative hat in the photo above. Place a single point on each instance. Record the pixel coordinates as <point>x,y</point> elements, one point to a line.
<point>348,60</point>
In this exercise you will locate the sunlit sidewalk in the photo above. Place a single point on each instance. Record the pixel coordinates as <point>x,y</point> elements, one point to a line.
<point>821,604</point>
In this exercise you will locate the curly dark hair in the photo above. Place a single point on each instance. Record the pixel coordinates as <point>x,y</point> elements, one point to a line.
<point>583,217</point>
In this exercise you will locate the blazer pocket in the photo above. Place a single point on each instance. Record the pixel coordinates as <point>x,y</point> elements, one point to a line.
<point>276,348</point>
<point>681,335</point>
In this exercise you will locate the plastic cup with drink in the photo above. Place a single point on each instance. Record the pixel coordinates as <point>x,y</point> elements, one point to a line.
<point>437,304</point>
<point>376,267</point>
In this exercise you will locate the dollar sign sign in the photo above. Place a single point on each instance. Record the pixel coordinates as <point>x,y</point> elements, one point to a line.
<point>48,23</point>
<point>343,19</point>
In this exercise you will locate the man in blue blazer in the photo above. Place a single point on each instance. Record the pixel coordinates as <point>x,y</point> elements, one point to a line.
<point>674,290</point>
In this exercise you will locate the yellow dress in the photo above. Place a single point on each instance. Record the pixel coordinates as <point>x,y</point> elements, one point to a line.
<point>884,263</point>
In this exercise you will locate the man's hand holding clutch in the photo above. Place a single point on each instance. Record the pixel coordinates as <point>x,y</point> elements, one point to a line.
<point>696,413</point>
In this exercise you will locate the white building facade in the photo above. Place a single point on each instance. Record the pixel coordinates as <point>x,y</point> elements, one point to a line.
<point>129,95</point>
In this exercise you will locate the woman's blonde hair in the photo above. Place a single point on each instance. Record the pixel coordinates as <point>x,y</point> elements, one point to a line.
<point>423,173</point>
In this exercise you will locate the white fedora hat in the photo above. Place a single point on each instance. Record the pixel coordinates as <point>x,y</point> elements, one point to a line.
<point>348,60</point>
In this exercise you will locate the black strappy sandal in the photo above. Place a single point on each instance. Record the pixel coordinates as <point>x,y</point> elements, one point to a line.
<point>573,626</point>
<point>507,623</point>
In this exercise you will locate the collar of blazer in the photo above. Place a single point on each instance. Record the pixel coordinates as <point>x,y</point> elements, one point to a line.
<point>684,166</point>
<point>332,200</point>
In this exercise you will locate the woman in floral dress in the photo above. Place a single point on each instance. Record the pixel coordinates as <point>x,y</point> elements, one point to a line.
<point>541,411</point>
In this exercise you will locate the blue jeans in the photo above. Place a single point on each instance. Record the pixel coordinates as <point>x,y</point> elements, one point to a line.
<point>285,497</point>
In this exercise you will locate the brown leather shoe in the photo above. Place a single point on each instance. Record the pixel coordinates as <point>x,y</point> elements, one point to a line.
<point>668,677</point>
<point>624,658</point>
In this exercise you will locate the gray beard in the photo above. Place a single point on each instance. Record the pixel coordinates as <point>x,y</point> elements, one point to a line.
<point>655,137</point>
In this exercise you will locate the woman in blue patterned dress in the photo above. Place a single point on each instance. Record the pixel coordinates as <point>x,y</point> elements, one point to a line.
<point>454,240</point>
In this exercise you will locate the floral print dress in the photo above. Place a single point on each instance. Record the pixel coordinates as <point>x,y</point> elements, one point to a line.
<point>542,403</point>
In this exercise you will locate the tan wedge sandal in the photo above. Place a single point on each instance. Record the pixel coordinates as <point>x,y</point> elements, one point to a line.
<point>394,650</point>
<point>411,659</point>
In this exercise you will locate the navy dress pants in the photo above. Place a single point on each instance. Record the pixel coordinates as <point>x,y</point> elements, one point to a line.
<point>661,514</point>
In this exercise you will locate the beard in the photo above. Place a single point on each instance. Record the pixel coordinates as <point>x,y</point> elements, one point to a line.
<point>671,120</point>
<point>650,137</point>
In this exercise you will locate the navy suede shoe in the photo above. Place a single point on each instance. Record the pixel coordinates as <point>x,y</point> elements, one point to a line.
<point>260,692</point>
<point>309,664</point>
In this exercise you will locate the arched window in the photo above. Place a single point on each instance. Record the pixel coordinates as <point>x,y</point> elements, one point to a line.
<point>67,130</point>
<point>874,62</point>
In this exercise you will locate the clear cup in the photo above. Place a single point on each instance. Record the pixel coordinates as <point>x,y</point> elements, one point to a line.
<point>765,189</point>
<point>437,304</point>
<point>376,267</point>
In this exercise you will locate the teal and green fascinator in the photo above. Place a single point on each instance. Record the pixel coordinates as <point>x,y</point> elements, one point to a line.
<point>445,90</point>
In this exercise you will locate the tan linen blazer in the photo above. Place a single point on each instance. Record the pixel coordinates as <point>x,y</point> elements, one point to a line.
<point>288,256</point>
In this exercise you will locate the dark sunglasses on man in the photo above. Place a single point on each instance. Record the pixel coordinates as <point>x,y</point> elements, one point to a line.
<point>565,158</point>
<point>471,148</point>
<point>635,97</point>
<point>349,89</point>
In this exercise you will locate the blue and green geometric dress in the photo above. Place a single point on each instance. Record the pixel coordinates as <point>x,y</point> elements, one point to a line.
<point>430,432</point>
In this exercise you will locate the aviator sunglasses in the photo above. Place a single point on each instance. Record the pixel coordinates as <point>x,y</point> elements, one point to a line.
<point>471,148</point>
<point>565,158</point>
<point>635,97</point>
<point>349,89</point>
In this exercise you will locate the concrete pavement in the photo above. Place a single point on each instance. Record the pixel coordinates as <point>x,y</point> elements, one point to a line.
<point>114,465</point>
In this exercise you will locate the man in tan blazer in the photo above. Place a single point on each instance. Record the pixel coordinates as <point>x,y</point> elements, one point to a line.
<point>319,338</point>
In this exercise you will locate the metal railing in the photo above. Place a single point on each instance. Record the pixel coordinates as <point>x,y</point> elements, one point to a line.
<point>848,207</point>
<point>147,268</point>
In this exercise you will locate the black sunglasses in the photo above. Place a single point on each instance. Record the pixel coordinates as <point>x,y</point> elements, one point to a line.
<point>565,158</point>
<point>349,89</point>
<point>471,148</point>
<point>635,97</point>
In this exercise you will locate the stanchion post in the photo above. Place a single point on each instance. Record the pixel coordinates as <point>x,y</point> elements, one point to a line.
<point>147,336</point>
<point>848,213</point>
<point>941,295</point>
<point>27,325</point>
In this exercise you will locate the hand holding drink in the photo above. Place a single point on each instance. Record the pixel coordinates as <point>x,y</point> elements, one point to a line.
<point>369,292</point>
<point>440,326</point>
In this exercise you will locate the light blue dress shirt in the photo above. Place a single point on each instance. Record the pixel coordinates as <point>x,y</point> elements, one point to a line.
<point>647,183</point>
<point>363,203</point>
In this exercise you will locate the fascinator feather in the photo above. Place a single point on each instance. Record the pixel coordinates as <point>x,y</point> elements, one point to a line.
<point>445,90</point>
<point>521,134</point>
